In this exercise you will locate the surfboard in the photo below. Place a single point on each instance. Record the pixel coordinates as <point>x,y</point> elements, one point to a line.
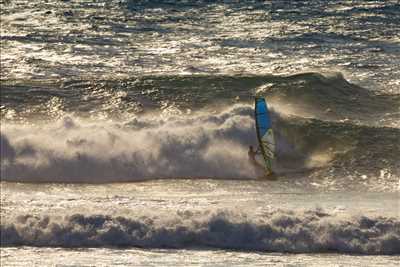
<point>265,134</point>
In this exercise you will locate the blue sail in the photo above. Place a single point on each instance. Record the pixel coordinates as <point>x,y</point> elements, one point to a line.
<point>265,133</point>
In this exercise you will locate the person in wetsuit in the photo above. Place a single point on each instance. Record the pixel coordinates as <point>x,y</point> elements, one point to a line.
<point>259,169</point>
<point>252,155</point>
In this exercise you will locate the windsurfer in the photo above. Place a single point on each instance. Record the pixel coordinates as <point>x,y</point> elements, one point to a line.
<point>252,154</point>
<point>259,169</point>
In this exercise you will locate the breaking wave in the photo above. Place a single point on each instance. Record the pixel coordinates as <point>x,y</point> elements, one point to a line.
<point>77,151</point>
<point>200,145</point>
<point>279,231</point>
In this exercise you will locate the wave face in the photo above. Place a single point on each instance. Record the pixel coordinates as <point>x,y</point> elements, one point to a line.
<point>307,232</point>
<point>323,96</point>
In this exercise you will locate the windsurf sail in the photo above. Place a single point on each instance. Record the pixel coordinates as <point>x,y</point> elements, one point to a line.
<point>265,134</point>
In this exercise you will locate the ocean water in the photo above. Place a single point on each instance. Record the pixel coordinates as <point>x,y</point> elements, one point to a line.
<point>125,127</point>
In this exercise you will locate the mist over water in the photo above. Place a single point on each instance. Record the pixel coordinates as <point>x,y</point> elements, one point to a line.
<point>72,150</point>
<point>199,145</point>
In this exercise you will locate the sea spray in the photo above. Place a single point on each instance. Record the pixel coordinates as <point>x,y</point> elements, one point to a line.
<point>202,144</point>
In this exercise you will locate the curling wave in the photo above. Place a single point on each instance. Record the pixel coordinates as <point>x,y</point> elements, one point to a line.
<point>279,231</point>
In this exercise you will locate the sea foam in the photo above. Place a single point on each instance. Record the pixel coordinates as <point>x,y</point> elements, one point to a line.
<point>279,231</point>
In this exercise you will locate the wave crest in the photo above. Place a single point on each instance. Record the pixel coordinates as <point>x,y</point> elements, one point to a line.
<point>199,145</point>
<point>279,231</point>
<point>73,150</point>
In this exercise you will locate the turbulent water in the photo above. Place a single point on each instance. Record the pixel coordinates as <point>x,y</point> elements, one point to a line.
<point>125,127</point>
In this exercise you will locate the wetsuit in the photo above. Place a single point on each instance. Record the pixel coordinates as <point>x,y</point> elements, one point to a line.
<point>259,168</point>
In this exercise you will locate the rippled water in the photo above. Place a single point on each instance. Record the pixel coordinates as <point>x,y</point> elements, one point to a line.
<point>138,257</point>
<point>70,39</point>
<point>125,127</point>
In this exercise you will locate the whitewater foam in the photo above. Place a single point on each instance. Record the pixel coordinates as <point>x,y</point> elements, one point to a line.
<point>201,144</point>
<point>279,231</point>
<point>204,145</point>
